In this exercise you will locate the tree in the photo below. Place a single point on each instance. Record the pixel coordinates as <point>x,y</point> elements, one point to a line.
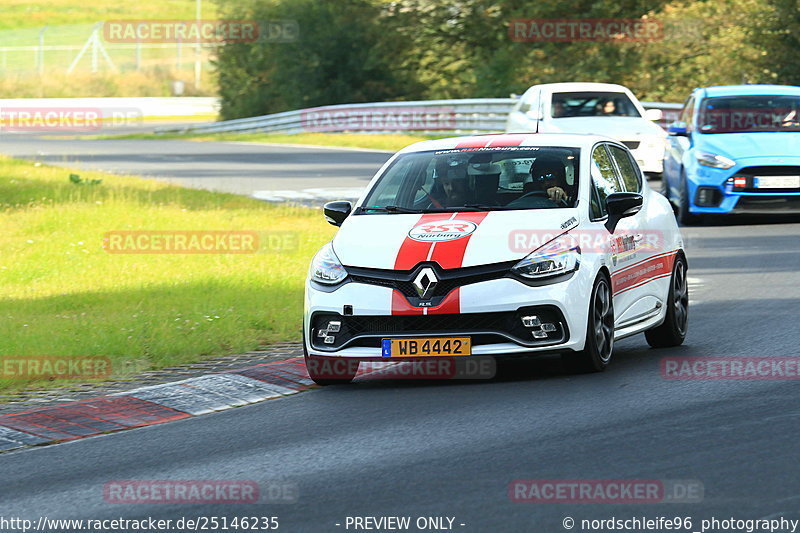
<point>342,55</point>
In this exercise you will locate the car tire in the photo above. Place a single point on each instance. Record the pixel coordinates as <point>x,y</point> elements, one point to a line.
<point>673,331</point>
<point>599,345</point>
<point>685,217</point>
<point>329,371</point>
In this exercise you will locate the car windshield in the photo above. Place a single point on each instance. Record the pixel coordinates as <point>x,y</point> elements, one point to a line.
<point>749,114</point>
<point>592,104</point>
<point>483,179</point>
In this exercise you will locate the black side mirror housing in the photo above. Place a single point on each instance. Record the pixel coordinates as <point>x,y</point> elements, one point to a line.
<point>620,205</point>
<point>336,212</point>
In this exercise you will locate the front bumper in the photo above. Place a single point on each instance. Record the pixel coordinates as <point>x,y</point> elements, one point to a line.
<point>488,312</point>
<point>728,200</point>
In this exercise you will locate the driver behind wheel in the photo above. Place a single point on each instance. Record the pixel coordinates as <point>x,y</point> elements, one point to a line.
<point>450,188</point>
<point>547,174</point>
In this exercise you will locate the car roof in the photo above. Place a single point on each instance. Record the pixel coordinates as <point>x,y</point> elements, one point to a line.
<point>497,140</point>
<point>570,87</point>
<point>753,89</point>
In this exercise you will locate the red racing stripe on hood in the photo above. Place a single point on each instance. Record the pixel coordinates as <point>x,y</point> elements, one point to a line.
<point>412,252</point>
<point>450,254</point>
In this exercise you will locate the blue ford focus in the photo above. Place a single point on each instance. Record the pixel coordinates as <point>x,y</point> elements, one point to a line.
<point>735,149</point>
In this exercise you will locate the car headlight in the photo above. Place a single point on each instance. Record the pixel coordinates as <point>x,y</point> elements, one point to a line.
<point>558,257</point>
<point>326,267</point>
<point>713,160</point>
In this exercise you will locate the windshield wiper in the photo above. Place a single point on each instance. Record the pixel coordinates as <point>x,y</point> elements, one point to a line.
<point>483,207</point>
<point>389,209</point>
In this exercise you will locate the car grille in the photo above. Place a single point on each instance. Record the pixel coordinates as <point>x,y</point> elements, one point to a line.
<point>751,172</point>
<point>484,328</point>
<point>448,280</point>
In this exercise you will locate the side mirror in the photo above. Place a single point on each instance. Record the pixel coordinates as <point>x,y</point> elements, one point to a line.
<point>336,212</point>
<point>620,205</point>
<point>653,115</point>
<point>678,129</point>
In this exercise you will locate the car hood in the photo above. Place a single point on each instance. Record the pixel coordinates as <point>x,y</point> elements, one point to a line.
<point>401,241</point>
<point>620,128</point>
<point>746,145</point>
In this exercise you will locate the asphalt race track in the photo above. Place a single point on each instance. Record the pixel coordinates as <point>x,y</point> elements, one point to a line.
<point>269,172</point>
<point>400,448</point>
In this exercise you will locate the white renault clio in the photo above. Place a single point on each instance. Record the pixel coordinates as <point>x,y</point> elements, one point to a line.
<point>496,245</point>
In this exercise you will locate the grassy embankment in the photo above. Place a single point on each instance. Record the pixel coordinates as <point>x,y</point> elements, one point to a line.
<point>63,294</point>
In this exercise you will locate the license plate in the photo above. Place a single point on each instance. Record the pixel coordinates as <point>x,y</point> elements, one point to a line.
<point>427,347</point>
<point>777,182</point>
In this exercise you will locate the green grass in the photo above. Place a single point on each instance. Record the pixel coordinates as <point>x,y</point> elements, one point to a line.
<point>16,14</point>
<point>62,294</point>
<point>389,141</point>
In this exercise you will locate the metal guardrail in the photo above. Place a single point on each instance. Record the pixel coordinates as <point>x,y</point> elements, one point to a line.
<point>473,115</point>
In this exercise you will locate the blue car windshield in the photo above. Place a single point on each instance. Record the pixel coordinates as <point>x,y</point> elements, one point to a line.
<point>480,179</point>
<point>749,114</point>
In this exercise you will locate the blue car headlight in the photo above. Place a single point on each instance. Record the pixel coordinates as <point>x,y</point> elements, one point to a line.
<point>708,159</point>
<point>326,267</point>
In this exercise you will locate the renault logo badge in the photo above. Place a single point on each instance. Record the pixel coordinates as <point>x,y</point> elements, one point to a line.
<point>425,283</point>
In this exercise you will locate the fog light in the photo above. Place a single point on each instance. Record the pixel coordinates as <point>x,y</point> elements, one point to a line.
<point>531,321</point>
<point>708,197</point>
<point>539,334</point>
<point>329,339</point>
<point>548,327</point>
<point>334,326</point>
<point>322,333</point>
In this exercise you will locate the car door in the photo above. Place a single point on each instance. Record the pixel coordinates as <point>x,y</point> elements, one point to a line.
<point>623,245</point>
<point>605,182</point>
<point>639,250</point>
